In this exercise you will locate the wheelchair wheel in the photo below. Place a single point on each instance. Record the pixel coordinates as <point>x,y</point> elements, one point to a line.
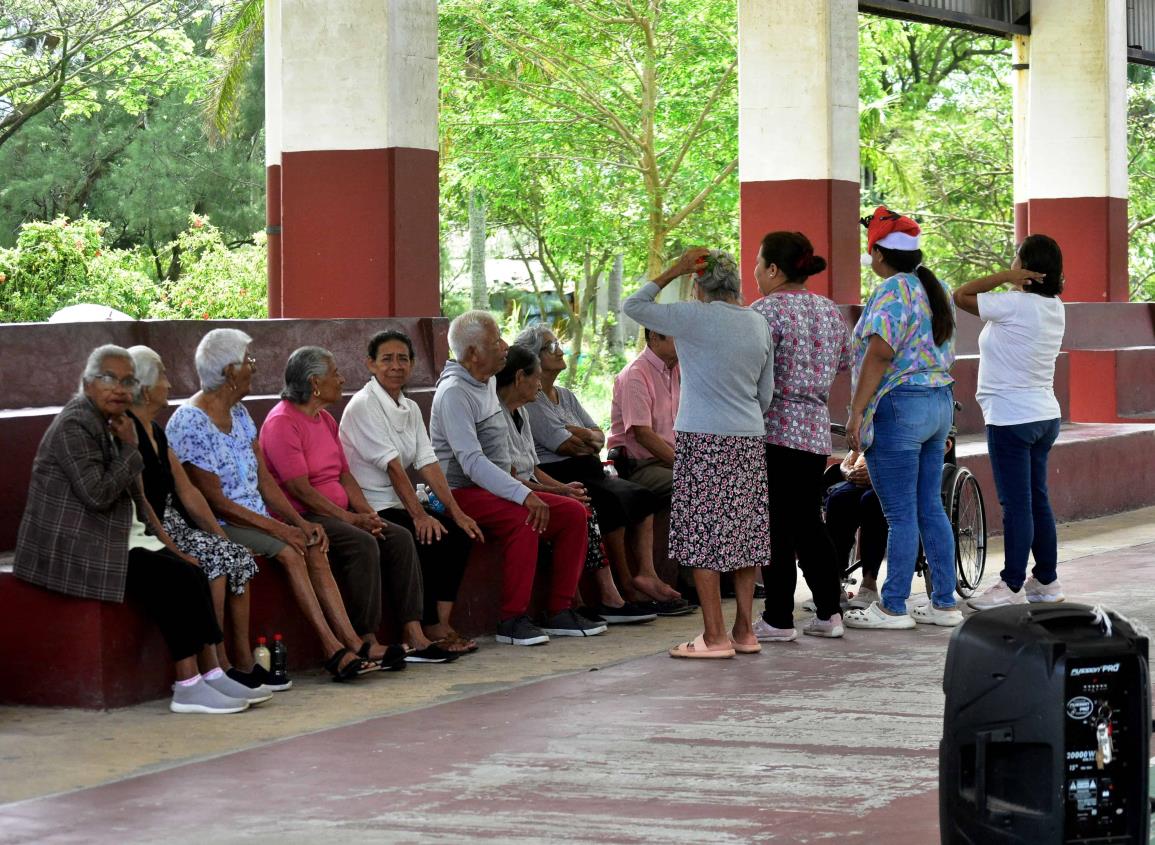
<point>968,517</point>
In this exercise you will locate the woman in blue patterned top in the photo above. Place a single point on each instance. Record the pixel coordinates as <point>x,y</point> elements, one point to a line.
<point>901,412</point>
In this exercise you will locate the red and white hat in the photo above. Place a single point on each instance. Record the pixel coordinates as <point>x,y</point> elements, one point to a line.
<point>890,230</point>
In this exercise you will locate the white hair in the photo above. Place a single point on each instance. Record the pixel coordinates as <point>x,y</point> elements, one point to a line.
<point>533,337</point>
<point>217,351</point>
<point>94,366</point>
<point>148,366</point>
<point>467,330</point>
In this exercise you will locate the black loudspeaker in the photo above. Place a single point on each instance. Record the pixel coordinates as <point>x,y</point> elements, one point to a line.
<point>1047,729</point>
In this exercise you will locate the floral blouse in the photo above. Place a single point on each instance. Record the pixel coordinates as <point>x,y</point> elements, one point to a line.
<point>811,345</point>
<point>898,311</point>
<point>196,440</point>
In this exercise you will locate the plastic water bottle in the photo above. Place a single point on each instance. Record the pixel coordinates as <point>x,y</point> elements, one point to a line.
<point>261,654</point>
<point>280,661</point>
<point>436,504</point>
<point>422,493</point>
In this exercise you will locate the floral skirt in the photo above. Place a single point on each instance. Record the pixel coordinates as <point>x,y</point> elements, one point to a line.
<point>719,516</point>
<point>217,555</point>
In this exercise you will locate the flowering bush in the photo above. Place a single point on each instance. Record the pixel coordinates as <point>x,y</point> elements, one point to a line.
<point>65,262</point>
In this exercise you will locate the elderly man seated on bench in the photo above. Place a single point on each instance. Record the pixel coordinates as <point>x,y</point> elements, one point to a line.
<point>471,441</point>
<point>642,415</point>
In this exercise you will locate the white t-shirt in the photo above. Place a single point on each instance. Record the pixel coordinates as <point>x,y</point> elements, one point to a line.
<point>1017,351</point>
<point>374,431</point>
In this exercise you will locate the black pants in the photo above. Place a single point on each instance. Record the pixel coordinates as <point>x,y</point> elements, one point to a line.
<point>442,561</point>
<point>797,535</point>
<point>176,596</point>
<point>618,502</point>
<point>360,561</point>
<point>851,510</point>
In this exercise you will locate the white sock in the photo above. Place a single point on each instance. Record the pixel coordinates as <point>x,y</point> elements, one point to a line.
<point>190,682</point>
<point>213,674</point>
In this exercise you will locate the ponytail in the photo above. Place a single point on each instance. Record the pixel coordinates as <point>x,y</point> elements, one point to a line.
<point>910,261</point>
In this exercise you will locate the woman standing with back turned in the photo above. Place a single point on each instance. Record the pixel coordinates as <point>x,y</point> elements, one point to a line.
<point>718,516</point>
<point>1017,351</point>
<point>901,413</point>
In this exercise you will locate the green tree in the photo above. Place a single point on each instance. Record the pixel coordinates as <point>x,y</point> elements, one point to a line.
<point>76,52</point>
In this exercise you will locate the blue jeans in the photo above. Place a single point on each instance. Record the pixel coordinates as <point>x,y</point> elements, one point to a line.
<point>1019,463</point>
<point>905,460</point>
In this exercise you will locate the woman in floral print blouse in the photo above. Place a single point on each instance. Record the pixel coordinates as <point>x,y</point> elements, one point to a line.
<point>811,344</point>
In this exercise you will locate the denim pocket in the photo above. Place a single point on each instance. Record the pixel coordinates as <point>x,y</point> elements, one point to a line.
<point>912,410</point>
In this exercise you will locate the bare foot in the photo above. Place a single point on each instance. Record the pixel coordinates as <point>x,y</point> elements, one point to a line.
<point>744,637</point>
<point>655,588</point>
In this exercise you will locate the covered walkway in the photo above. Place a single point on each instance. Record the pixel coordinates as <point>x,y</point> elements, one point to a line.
<point>806,742</point>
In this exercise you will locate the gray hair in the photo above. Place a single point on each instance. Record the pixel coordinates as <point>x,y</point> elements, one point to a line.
<point>467,330</point>
<point>720,280</point>
<point>94,366</point>
<point>303,364</point>
<point>533,337</point>
<point>217,351</point>
<point>148,366</point>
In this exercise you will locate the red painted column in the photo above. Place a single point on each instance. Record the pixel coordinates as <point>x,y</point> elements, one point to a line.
<point>273,236</point>
<point>358,159</point>
<point>798,134</point>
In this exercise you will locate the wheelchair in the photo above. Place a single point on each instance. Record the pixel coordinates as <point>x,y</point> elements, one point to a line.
<point>962,498</point>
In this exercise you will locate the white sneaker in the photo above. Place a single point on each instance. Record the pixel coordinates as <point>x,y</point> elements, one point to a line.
<point>831,628</point>
<point>928,614</point>
<point>998,595</point>
<point>864,598</point>
<point>874,617</point>
<point>1048,593</point>
<point>767,633</point>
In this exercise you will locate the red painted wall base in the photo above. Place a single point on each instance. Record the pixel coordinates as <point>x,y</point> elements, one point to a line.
<point>359,233</point>
<point>825,210</point>
<point>1092,232</point>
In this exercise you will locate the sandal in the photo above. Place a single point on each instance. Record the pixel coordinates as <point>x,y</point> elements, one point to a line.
<point>350,670</point>
<point>743,648</point>
<point>392,660</point>
<point>458,644</point>
<point>699,649</point>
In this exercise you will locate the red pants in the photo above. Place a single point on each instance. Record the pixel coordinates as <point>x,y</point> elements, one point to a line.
<point>504,521</point>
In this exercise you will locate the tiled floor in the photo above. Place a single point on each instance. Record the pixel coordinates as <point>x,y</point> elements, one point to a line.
<point>812,741</point>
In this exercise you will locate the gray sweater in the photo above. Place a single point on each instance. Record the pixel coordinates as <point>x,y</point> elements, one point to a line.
<point>727,359</point>
<point>469,434</point>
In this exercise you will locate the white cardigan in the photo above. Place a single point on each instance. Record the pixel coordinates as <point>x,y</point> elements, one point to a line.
<point>374,431</point>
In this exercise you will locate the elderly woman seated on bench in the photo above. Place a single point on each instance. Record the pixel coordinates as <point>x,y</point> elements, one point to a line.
<point>78,535</point>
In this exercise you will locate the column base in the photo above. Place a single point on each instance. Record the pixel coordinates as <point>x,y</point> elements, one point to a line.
<point>1092,232</point>
<point>359,233</point>
<point>825,210</point>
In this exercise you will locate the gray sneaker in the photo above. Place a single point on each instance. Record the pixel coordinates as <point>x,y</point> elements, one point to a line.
<point>253,695</point>
<point>520,631</point>
<point>566,623</point>
<point>202,698</point>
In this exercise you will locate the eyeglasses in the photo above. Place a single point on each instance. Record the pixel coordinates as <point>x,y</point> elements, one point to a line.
<point>251,361</point>
<point>556,348</point>
<point>110,380</point>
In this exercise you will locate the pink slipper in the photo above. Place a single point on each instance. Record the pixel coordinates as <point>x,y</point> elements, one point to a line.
<point>699,649</point>
<point>742,648</point>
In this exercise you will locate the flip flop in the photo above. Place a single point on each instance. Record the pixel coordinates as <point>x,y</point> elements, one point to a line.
<point>742,648</point>
<point>455,639</point>
<point>698,650</point>
<point>432,653</point>
<point>351,669</point>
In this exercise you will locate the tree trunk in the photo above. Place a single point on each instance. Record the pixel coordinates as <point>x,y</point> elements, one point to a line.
<point>477,248</point>
<point>613,325</point>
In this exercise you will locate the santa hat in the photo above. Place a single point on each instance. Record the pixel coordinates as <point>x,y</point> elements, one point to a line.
<point>890,230</point>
